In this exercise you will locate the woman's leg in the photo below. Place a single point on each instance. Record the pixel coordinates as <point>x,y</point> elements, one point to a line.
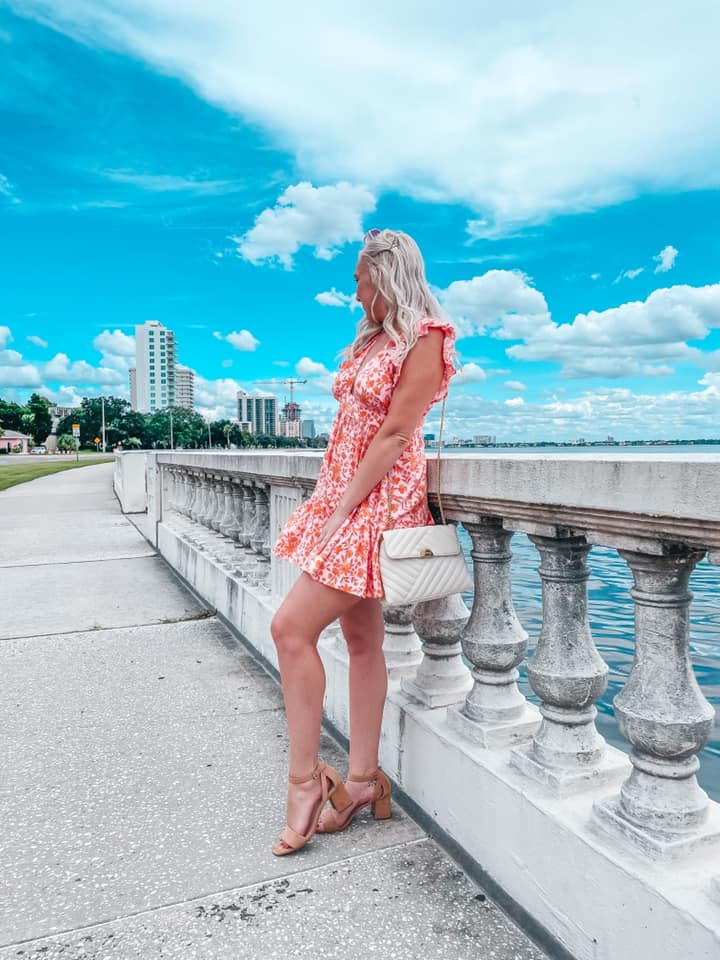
<point>364,631</point>
<point>308,608</point>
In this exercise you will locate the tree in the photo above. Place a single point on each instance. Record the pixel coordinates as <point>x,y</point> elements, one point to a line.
<point>11,415</point>
<point>37,418</point>
<point>90,418</point>
<point>65,443</point>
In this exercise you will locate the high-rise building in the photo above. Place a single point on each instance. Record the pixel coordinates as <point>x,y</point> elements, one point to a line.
<point>308,429</point>
<point>290,428</point>
<point>184,388</point>
<point>260,411</point>
<point>133,387</point>
<point>154,367</point>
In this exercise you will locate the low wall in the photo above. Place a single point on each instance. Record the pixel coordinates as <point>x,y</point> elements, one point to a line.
<point>610,858</point>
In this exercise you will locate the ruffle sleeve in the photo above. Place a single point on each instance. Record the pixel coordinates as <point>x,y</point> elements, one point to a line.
<point>449,355</point>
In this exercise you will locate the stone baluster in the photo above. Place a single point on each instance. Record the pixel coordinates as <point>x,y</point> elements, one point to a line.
<point>195,495</point>
<point>664,715</point>
<point>207,499</point>
<point>402,647</point>
<point>568,674</point>
<point>442,678</point>
<point>260,540</point>
<point>178,490</point>
<point>246,558</point>
<point>188,489</point>
<point>218,503</point>
<point>495,713</point>
<point>248,492</point>
<point>167,482</point>
<point>224,504</point>
<point>232,522</point>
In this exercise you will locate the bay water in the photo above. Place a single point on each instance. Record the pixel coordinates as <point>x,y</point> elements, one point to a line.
<point>610,609</point>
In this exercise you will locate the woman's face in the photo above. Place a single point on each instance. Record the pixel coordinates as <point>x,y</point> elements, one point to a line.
<point>366,290</point>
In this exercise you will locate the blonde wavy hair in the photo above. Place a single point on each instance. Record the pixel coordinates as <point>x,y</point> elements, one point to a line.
<point>397,269</point>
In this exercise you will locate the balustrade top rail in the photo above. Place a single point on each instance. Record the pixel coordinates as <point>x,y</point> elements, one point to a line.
<point>613,500</point>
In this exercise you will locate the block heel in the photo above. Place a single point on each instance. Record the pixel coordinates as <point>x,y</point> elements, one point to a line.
<point>379,803</point>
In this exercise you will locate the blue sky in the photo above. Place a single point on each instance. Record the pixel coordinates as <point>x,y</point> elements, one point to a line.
<point>215,168</point>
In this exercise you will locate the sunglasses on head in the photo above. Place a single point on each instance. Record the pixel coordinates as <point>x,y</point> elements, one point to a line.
<point>374,233</point>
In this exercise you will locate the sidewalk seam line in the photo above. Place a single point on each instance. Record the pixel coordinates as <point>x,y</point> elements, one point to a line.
<point>69,563</point>
<point>213,893</point>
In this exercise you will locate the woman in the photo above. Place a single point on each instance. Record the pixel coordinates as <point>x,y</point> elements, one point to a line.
<point>399,364</point>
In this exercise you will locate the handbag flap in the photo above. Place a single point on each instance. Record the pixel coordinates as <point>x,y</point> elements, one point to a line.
<point>408,543</point>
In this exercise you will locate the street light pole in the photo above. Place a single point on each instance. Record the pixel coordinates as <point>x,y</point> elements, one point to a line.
<point>172,439</point>
<point>102,400</point>
<point>209,437</point>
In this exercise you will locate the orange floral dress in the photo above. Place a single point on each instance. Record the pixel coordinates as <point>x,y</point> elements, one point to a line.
<point>350,561</point>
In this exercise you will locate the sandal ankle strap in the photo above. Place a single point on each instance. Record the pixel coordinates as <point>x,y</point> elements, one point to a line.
<point>366,777</point>
<point>313,775</point>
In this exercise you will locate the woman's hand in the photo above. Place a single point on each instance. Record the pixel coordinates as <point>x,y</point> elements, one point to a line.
<point>333,524</point>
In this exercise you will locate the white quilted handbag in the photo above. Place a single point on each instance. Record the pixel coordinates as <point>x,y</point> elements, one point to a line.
<point>422,563</point>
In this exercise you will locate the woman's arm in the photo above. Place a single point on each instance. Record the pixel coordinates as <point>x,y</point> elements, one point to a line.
<point>419,381</point>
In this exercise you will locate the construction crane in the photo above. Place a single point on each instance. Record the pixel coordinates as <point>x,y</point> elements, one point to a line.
<point>290,381</point>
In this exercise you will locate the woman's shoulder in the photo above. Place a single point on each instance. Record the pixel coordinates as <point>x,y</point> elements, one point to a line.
<point>437,323</point>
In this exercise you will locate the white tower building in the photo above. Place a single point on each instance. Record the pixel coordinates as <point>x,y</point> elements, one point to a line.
<point>154,367</point>
<point>184,388</point>
<point>260,412</point>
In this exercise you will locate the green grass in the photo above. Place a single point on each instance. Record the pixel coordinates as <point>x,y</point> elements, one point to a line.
<point>16,473</point>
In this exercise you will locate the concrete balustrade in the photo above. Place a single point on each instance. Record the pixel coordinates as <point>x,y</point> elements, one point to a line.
<point>568,827</point>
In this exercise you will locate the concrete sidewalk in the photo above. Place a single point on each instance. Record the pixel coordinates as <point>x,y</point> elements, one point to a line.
<point>142,775</point>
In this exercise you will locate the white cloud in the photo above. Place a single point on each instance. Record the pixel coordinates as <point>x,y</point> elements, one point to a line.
<point>5,336</point>
<point>216,399</point>
<point>514,385</point>
<point>38,341</point>
<point>665,259</point>
<point>515,402</point>
<point>305,367</point>
<point>61,368</point>
<point>117,342</point>
<point>593,414</point>
<point>324,218</point>
<point>537,112</point>
<point>7,190</point>
<point>243,340</point>
<point>335,298</point>
<point>635,338</point>
<point>240,339</point>
<point>19,375</point>
<point>470,373</point>
<point>226,364</point>
<point>499,298</point>
<point>629,274</point>
<point>167,183</point>
<point>281,363</point>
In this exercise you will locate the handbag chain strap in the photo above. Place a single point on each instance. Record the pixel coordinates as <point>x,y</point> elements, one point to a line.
<point>442,512</point>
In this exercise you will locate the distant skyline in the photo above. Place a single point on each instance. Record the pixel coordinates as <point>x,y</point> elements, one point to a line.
<point>215,168</point>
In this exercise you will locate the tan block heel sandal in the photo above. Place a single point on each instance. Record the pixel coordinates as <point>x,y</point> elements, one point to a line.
<point>332,789</point>
<point>380,802</point>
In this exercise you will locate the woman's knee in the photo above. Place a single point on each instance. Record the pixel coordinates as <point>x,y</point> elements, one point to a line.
<point>288,636</point>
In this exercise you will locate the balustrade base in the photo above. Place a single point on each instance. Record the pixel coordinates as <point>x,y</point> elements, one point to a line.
<point>563,782</point>
<point>656,844</point>
<point>491,735</point>
<point>402,664</point>
<point>442,696</point>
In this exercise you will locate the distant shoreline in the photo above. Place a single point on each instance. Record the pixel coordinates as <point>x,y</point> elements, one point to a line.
<point>572,443</point>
